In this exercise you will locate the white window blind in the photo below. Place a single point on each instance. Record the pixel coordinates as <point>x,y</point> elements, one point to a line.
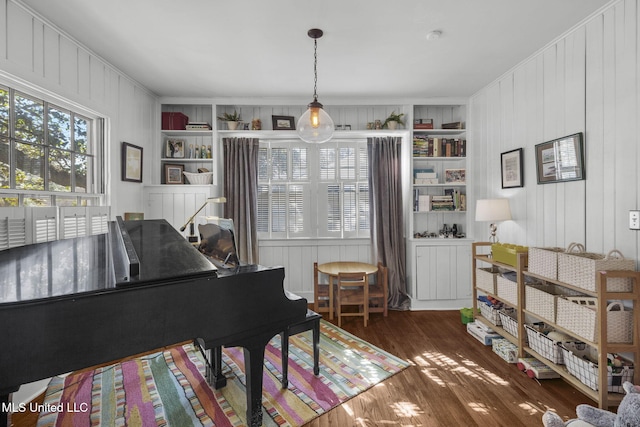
<point>12,232</point>
<point>313,190</point>
<point>45,230</point>
<point>99,223</point>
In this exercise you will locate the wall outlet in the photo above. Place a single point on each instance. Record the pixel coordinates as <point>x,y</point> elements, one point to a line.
<point>634,220</point>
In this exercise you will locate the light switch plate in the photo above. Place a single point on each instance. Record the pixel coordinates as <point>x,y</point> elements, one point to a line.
<point>634,220</point>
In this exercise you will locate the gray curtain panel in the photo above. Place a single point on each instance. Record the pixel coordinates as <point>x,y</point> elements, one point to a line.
<point>386,218</point>
<point>241,191</point>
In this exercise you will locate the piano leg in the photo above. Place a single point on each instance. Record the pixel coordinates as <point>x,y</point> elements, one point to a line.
<point>284,348</point>
<point>214,368</point>
<point>4,415</point>
<point>253,363</point>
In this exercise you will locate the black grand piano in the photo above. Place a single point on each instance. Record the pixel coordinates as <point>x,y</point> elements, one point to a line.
<point>74,303</point>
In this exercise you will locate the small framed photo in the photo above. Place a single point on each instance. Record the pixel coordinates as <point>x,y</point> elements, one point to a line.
<point>173,174</point>
<point>560,159</point>
<point>131,162</point>
<point>455,176</point>
<point>175,149</point>
<point>283,123</point>
<point>511,169</point>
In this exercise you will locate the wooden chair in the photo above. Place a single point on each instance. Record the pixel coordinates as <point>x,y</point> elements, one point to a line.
<point>352,290</point>
<point>322,294</point>
<point>379,292</point>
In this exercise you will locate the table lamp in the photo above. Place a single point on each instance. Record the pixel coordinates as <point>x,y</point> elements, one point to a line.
<point>192,229</point>
<point>493,210</point>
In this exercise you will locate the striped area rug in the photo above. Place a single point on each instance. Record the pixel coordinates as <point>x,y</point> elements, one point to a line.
<point>168,388</point>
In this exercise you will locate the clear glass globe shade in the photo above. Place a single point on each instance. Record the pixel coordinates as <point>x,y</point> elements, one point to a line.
<point>315,134</point>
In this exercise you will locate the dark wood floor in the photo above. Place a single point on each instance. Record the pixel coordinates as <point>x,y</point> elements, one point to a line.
<point>454,380</point>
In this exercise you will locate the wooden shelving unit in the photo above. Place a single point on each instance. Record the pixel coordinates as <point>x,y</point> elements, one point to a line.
<point>601,396</point>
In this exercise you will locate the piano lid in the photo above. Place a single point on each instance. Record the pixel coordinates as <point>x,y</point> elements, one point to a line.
<point>163,254</point>
<point>54,269</point>
<point>85,264</point>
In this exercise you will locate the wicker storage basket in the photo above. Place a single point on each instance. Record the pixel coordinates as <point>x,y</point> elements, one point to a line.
<point>199,178</point>
<point>507,290</point>
<point>540,299</point>
<point>490,313</point>
<point>544,261</point>
<point>581,320</point>
<point>580,269</point>
<point>486,279</point>
<point>509,322</point>
<point>544,345</point>
<point>587,372</point>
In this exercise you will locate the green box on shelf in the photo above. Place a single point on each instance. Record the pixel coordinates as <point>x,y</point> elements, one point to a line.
<point>507,253</point>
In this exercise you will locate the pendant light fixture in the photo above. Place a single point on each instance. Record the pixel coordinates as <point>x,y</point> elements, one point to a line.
<point>315,126</point>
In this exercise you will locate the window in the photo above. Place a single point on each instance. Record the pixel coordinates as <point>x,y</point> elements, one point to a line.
<point>307,190</point>
<point>49,155</point>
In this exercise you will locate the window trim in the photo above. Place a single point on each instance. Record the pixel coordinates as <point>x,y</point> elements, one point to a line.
<point>98,133</point>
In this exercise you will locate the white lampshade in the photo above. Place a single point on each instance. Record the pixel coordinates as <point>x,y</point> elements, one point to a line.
<point>315,126</point>
<point>493,210</point>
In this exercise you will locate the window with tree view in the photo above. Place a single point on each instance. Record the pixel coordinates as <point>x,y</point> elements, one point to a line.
<point>48,154</point>
<point>313,191</point>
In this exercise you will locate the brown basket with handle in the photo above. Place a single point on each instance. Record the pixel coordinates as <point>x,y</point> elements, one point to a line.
<point>580,270</point>
<point>579,315</point>
<point>544,261</point>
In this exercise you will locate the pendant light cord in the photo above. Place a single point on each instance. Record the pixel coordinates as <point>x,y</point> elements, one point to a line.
<point>315,69</point>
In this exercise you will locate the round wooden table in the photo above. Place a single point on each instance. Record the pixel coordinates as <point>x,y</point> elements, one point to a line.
<point>333,269</point>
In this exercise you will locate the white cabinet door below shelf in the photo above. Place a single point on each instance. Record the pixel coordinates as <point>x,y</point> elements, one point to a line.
<point>442,272</point>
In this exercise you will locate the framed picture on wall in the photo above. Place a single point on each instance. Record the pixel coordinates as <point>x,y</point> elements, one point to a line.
<point>283,123</point>
<point>173,174</point>
<point>560,159</point>
<point>511,169</point>
<point>131,162</point>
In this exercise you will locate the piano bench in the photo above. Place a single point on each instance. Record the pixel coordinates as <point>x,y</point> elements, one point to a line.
<point>312,322</point>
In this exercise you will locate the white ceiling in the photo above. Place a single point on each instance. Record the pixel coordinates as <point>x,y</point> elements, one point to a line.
<point>371,48</point>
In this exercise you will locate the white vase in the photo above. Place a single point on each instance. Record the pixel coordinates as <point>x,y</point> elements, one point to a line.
<point>392,125</point>
<point>232,125</point>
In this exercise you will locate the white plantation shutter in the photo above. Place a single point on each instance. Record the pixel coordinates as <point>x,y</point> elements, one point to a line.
<point>278,208</point>
<point>263,209</point>
<point>99,219</point>
<point>350,208</point>
<point>73,222</point>
<point>12,228</point>
<point>327,159</point>
<point>313,190</point>
<point>347,162</point>
<point>363,209</point>
<point>44,222</point>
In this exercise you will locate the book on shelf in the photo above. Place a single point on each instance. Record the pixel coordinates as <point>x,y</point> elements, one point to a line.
<point>423,124</point>
<point>438,147</point>
<point>198,126</point>
<point>425,181</point>
<point>424,203</point>
<point>452,125</point>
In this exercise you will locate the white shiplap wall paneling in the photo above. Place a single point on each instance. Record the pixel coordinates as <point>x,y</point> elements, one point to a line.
<point>587,81</point>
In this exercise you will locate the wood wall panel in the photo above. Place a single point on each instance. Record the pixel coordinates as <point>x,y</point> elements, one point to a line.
<point>297,258</point>
<point>38,58</point>
<point>587,81</point>
<point>19,25</point>
<point>595,118</point>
